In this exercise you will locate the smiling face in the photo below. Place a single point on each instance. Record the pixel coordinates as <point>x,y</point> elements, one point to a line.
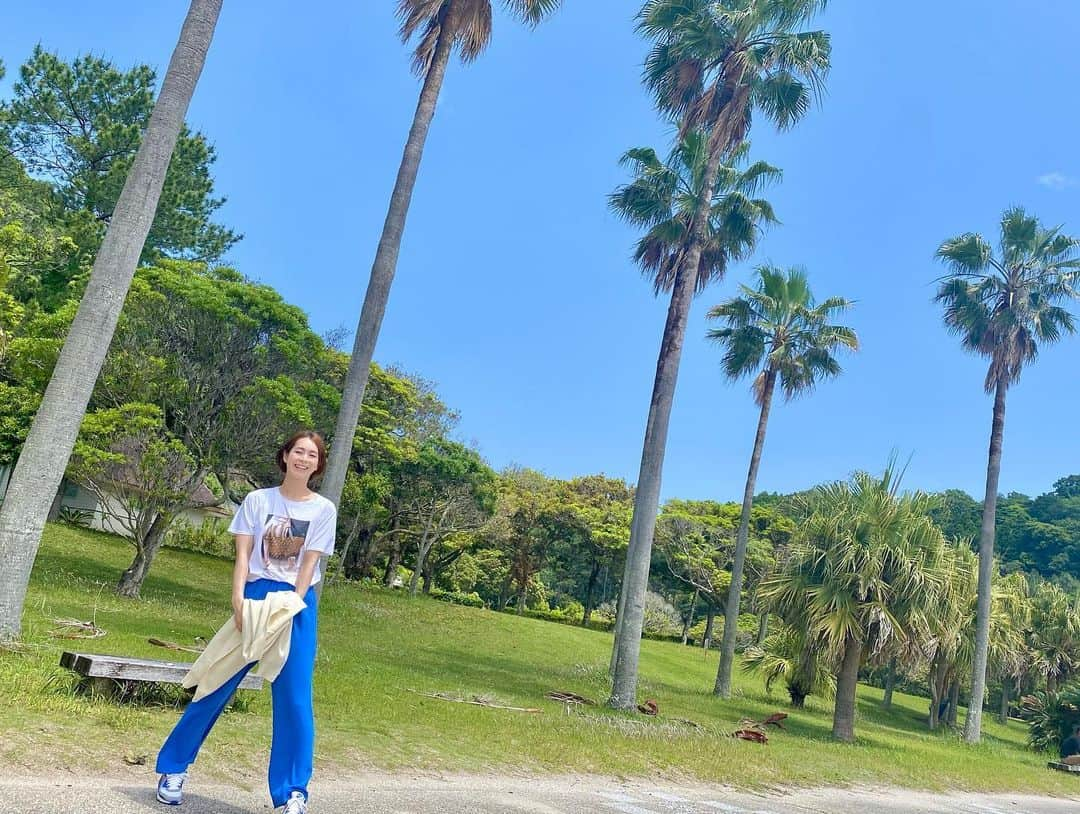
<point>303,460</point>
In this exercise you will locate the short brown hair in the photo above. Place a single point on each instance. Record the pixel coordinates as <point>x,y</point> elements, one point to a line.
<point>311,435</point>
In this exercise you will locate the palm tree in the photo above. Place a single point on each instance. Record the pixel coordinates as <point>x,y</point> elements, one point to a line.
<point>778,334</point>
<point>664,200</point>
<point>1003,307</point>
<point>1054,635</point>
<point>52,435</point>
<point>865,570</point>
<point>441,26</point>
<point>713,63</point>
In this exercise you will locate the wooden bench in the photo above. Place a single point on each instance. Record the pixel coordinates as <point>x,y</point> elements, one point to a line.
<point>1062,767</point>
<point>107,674</point>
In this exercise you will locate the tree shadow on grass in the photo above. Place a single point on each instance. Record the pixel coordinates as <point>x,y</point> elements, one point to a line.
<point>57,565</point>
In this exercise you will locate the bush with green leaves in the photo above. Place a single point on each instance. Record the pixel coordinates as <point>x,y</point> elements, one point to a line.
<point>1051,716</point>
<point>471,600</point>
<point>209,537</point>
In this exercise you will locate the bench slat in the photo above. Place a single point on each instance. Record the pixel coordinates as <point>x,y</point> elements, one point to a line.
<point>122,668</point>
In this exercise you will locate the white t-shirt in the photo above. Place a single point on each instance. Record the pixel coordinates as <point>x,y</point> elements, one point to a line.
<point>283,530</point>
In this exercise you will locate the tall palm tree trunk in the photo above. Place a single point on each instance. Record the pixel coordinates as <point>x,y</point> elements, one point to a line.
<point>52,436</point>
<point>973,722</point>
<point>731,608</point>
<point>846,682</point>
<point>647,494</point>
<point>385,265</point>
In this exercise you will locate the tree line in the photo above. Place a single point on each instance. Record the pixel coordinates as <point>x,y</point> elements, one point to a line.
<point>137,363</point>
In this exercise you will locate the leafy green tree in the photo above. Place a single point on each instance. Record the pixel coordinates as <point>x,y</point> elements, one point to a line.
<point>450,491</point>
<point>56,425</point>
<point>598,512</point>
<point>79,125</point>
<point>232,369</point>
<point>778,334</point>
<point>440,26</point>
<point>139,473</point>
<point>864,569</point>
<point>712,65</point>
<point>665,199</point>
<point>1003,307</point>
<point>957,514</point>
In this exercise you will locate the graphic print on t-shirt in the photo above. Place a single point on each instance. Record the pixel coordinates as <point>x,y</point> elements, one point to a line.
<point>282,539</point>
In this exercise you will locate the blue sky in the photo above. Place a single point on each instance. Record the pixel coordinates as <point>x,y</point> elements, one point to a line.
<point>515,293</point>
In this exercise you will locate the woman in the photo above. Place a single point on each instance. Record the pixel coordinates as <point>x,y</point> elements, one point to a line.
<point>281,533</point>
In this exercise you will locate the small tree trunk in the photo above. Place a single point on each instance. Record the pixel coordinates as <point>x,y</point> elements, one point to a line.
<point>937,680</point>
<point>504,592</point>
<point>722,687</point>
<point>1003,714</point>
<point>973,723</point>
<point>390,575</point>
<point>710,619</point>
<point>131,580</point>
<point>385,265</point>
<point>890,683</point>
<point>594,574</point>
<point>522,598</point>
<point>762,627</point>
<point>846,682</point>
<point>428,576</point>
<point>688,622</point>
<point>1051,682</point>
<point>954,702</point>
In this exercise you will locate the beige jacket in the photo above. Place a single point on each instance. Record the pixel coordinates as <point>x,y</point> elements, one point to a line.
<point>265,639</point>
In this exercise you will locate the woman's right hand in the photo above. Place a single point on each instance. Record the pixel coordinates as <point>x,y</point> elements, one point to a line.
<point>238,612</point>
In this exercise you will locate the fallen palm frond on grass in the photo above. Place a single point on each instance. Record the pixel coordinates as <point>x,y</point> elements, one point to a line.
<point>476,700</point>
<point>174,646</point>
<point>75,629</point>
<point>754,731</point>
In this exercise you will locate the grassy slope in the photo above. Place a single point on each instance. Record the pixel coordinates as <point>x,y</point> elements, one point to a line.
<point>376,646</point>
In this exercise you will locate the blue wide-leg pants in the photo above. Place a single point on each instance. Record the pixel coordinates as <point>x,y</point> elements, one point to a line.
<point>293,744</point>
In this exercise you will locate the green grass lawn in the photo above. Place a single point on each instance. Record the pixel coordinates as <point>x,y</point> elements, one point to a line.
<point>378,646</point>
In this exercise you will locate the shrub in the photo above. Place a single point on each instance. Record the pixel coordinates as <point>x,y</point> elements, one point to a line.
<point>76,517</point>
<point>1051,716</point>
<point>210,537</point>
<point>661,618</point>
<point>471,600</point>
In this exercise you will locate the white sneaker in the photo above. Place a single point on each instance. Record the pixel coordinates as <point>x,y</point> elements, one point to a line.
<point>297,804</point>
<point>170,789</point>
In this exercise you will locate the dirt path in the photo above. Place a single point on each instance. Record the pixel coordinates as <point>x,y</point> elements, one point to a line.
<point>454,794</point>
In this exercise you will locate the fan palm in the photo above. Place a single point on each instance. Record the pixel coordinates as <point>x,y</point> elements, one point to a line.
<point>790,655</point>
<point>664,199</point>
<point>1003,307</point>
<point>865,570</point>
<point>778,334</point>
<point>1054,635</point>
<point>439,26</point>
<point>713,63</point>
<point>52,435</point>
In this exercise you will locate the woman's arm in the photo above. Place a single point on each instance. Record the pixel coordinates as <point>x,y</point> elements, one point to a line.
<point>307,571</point>
<point>244,544</point>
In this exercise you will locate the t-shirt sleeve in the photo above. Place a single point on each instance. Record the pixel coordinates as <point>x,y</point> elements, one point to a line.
<point>243,521</point>
<point>323,531</point>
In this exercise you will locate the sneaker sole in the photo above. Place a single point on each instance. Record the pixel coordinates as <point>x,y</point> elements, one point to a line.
<point>163,801</point>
